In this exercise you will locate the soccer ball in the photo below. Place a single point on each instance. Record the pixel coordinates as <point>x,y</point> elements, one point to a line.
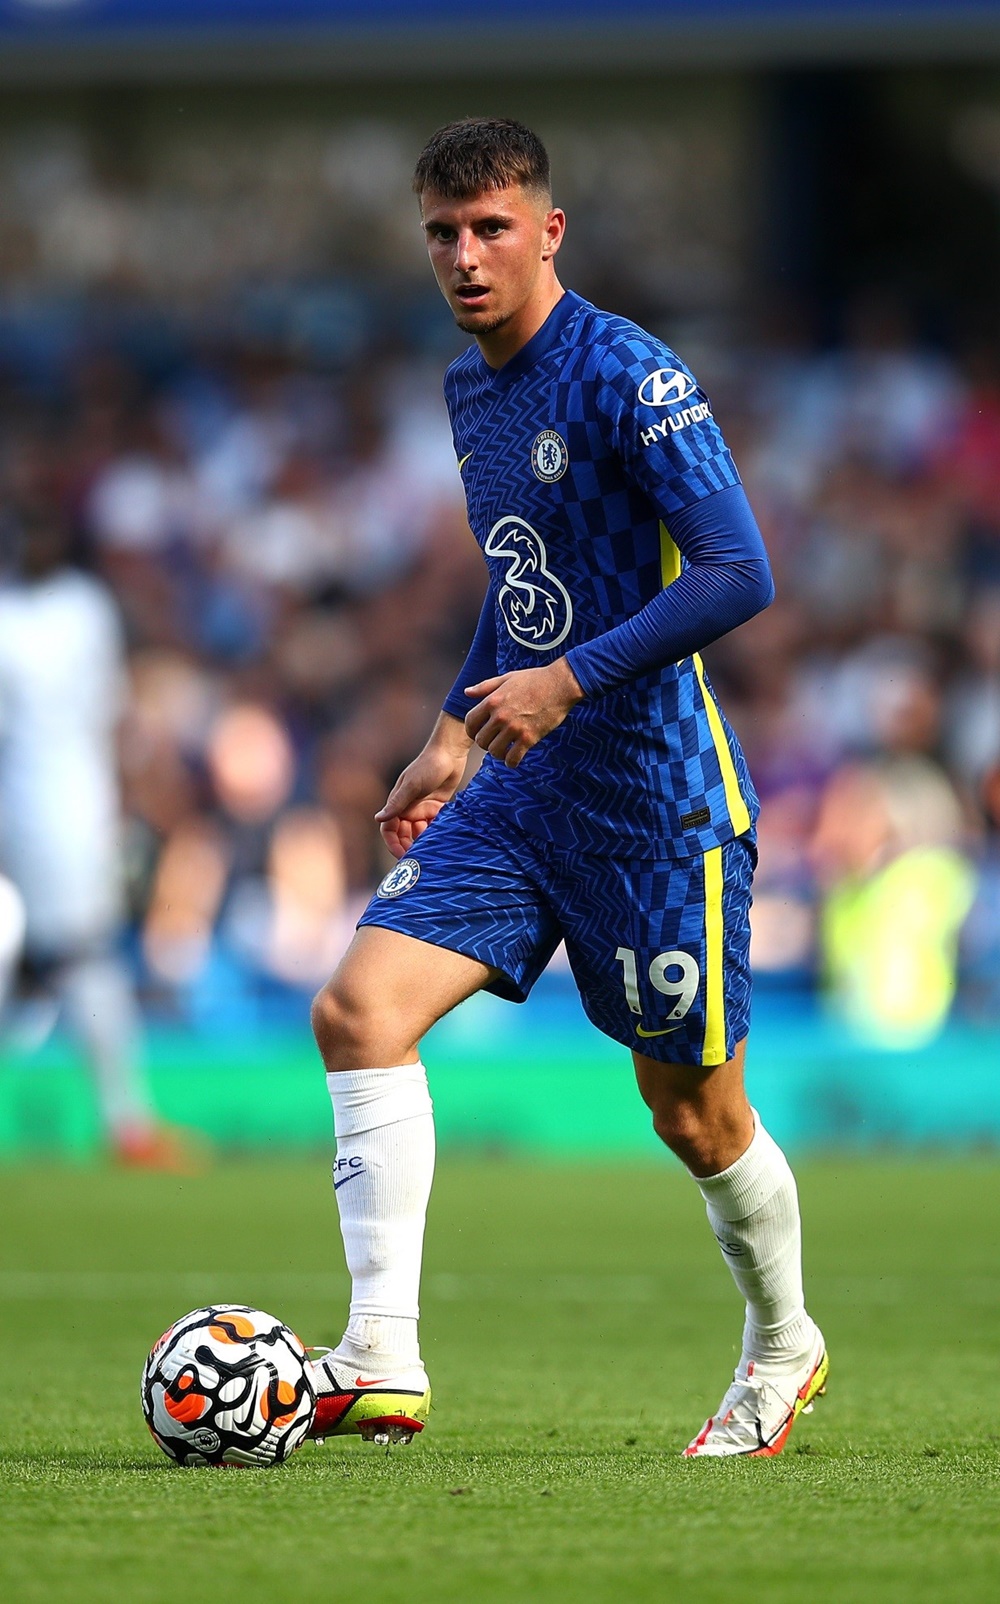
<point>228,1385</point>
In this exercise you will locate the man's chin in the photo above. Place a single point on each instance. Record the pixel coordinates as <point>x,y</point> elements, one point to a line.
<point>480,325</point>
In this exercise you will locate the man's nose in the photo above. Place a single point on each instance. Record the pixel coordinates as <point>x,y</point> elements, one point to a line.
<point>466,251</point>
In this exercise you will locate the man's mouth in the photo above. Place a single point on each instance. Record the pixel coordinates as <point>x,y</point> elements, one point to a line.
<point>471,294</point>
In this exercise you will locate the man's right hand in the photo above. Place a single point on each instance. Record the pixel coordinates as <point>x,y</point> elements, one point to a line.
<point>424,786</point>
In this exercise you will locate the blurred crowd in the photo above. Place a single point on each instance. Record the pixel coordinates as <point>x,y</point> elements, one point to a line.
<point>294,583</point>
<point>294,587</point>
<point>868,696</point>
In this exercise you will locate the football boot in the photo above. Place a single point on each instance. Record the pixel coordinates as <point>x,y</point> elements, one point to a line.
<point>756,1416</point>
<point>382,1409</point>
<point>170,1149</point>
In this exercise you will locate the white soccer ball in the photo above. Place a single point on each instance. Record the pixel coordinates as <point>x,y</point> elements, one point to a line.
<point>228,1385</point>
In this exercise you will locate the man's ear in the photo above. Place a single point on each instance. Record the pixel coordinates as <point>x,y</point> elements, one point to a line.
<point>555,228</point>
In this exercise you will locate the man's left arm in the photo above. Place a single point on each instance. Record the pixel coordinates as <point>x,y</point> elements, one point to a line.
<point>726,582</point>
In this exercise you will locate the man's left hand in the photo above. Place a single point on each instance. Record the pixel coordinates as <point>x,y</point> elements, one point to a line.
<point>516,710</point>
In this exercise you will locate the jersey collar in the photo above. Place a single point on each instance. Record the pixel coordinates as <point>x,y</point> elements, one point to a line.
<point>539,344</point>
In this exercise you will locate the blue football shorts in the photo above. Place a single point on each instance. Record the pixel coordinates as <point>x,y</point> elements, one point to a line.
<point>659,948</point>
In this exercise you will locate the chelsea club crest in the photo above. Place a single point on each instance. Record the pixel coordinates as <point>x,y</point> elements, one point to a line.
<point>549,456</point>
<point>400,879</point>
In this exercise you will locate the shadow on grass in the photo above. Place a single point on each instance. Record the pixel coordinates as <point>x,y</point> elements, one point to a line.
<point>48,1463</point>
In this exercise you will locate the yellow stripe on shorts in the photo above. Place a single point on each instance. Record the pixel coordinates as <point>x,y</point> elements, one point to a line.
<point>739,813</point>
<point>714,1048</point>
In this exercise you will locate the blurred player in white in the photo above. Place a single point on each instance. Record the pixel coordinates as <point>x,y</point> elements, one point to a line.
<point>12,923</point>
<point>61,690</point>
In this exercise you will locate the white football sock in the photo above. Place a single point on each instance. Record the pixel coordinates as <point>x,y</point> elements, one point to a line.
<point>382,1175</point>
<point>753,1208</point>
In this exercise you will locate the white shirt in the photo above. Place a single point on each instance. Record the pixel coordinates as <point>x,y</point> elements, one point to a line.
<point>61,691</point>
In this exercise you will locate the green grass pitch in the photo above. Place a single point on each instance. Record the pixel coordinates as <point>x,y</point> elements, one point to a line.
<point>578,1326</point>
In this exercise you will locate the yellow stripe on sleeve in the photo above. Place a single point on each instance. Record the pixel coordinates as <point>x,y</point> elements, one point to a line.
<point>670,557</point>
<point>714,1049</point>
<point>739,813</point>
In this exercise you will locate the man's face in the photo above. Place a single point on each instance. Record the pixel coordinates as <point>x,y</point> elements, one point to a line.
<point>489,252</point>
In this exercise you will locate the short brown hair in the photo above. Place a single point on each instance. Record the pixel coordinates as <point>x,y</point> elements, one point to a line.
<point>479,153</point>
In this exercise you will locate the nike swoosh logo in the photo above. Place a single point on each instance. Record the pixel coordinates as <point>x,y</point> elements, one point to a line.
<point>647,1034</point>
<point>352,1177</point>
<point>378,1382</point>
<point>464,461</point>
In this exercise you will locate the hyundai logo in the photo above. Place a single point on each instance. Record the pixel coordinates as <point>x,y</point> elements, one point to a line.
<point>667,387</point>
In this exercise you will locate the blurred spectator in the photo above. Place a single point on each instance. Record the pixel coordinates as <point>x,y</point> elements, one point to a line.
<point>896,892</point>
<point>293,922</point>
<point>269,881</point>
<point>969,457</point>
<point>186,896</point>
<point>251,772</point>
<point>878,398</point>
<point>981,935</point>
<point>782,926</point>
<point>972,726</point>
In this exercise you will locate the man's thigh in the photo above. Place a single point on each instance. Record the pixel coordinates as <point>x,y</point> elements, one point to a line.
<point>400,986</point>
<point>661,951</point>
<point>472,888</point>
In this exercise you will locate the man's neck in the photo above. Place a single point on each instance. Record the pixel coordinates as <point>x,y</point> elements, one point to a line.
<point>503,343</point>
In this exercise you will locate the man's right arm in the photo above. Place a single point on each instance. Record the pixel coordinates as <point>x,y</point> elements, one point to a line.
<point>435,774</point>
<point>425,785</point>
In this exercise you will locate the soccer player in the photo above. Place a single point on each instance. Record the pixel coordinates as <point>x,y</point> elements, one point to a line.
<point>61,684</point>
<point>612,810</point>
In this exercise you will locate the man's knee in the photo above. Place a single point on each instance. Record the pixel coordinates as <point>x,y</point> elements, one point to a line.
<point>681,1127</point>
<point>706,1137</point>
<point>328,1018</point>
<point>353,1030</point>
<point>342,1023</point>
<point>387,992</point>
<point>701,1115</point>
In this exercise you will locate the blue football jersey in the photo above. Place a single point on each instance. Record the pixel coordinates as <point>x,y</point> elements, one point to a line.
<point>574,455</point>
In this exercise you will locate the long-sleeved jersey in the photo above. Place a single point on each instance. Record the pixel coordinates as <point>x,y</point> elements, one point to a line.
<point>616,533</point>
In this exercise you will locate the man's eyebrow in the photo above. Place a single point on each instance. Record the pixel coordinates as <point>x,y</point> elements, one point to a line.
<point>480,222</point>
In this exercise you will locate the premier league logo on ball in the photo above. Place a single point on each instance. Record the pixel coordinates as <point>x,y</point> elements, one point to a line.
<point>549,456</point>
<point>400,879</point>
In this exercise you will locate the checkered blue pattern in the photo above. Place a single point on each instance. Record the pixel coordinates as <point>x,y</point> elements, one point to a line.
<point>487,889</point>
<point>636,772</point>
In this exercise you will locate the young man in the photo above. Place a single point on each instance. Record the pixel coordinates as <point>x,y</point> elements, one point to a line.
<point>613,808</point>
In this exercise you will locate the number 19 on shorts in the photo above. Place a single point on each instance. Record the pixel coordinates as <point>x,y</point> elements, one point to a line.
<point>673,974</point>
